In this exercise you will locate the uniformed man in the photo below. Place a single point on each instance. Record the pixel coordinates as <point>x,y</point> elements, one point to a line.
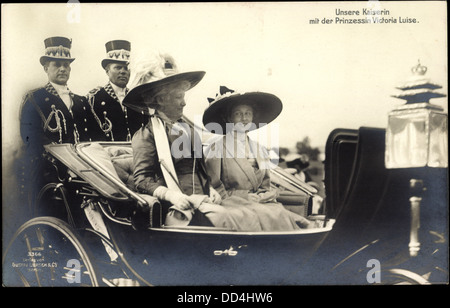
<point>118,123</point>
<point>52,113</point>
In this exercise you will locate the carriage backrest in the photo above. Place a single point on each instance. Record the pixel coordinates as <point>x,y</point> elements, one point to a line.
<point>372,194</point>
<point>122,160</point>
<point>340,151</point>
<point>369,176</point>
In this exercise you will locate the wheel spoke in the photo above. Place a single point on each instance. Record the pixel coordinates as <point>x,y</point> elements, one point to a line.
<point>22,278</point>
<point>45,245</point>
<point>30,254</point>
<point>40,237</point>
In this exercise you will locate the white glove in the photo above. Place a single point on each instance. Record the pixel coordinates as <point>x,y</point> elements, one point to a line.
<point>268,196</point>
<point>177,198</point>
<point>214,196</point>
<point>254,197</point>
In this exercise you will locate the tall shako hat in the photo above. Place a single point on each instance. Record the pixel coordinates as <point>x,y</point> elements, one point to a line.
<point>117,51</point>
<point>151,75</point>
<point>56,48</point>
<point>266,107</point>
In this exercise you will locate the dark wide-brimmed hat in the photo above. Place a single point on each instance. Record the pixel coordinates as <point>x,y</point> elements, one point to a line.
<point>57,48</point>
<point>117,51</point>
<point>153,74</point>
<point>300,160</point>
<point>266,107</point>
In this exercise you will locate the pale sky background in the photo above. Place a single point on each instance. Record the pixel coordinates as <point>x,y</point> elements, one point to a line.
<point>327,75</point>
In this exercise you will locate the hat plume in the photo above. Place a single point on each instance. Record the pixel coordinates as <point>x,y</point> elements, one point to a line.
<point>153,68</point>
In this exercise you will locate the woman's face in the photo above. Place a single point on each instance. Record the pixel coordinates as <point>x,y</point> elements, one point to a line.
<point>172,104</point>
<point>241,114</point>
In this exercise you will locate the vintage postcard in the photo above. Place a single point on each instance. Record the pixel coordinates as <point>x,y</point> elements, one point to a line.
<point>315,153</point>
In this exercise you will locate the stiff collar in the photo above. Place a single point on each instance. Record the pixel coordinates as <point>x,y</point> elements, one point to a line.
<point>118,90</point>
<point>115,91</point>
<point>57,90</point>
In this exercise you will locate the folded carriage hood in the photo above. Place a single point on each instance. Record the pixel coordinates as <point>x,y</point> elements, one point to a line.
<point>67,154</point>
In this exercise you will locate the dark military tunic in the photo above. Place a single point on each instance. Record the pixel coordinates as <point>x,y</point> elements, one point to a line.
<point>45,119</point>
<point>118,123</point>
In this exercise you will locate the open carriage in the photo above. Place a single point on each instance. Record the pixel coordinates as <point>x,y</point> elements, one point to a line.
<point>90,215</point>
<point>90,227</point>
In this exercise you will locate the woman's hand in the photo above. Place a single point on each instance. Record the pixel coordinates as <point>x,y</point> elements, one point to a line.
<point>254,197</point>
<point>214,196</point>
<point>179,200</point>
<point>268,196</point>
<point>175,197</point>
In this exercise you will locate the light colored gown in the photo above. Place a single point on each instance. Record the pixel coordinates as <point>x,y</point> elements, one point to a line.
<point>238,167</point>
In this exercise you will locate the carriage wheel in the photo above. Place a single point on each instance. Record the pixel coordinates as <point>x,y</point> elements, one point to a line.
<point>46,251</point>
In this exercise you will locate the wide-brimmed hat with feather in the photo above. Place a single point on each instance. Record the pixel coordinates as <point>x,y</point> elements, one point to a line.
<point>266,107</point>
<point>151,75</point>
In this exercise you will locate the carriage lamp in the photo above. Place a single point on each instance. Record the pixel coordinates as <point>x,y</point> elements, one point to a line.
<point>416,137</point>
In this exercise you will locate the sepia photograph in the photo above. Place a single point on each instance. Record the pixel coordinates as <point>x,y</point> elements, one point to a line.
<point>224,144</point>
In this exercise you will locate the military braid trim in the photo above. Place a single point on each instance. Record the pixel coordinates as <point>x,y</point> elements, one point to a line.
<point>105,127</point>
<point>55,113</point>
<point>46,121</point>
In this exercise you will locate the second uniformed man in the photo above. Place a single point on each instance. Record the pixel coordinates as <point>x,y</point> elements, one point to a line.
<point>117,122</point>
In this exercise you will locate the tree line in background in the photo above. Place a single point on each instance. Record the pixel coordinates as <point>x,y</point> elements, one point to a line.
<point>302,147</point>
<point>307,162</point>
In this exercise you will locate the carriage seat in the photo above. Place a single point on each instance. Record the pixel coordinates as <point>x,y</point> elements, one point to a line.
<point>116,160</point>
<point>122,160</point>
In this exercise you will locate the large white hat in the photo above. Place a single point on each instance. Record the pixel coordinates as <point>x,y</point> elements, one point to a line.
<point>153,73</point>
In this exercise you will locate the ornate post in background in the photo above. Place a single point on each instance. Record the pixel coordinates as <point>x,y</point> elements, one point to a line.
<point>416,137</point>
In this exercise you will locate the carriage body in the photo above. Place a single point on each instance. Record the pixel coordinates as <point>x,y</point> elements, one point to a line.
<point>120,238</point>
<point>124,232</point>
